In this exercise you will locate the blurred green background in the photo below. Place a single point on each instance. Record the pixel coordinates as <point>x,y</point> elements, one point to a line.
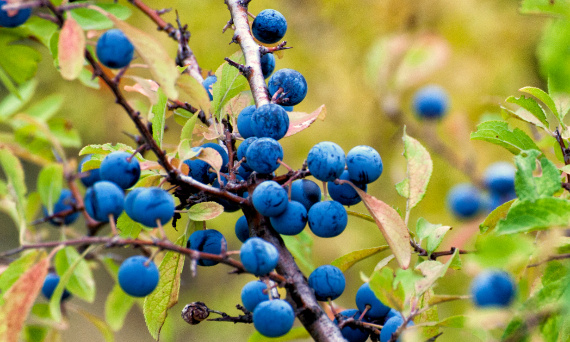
<point>483,51</point>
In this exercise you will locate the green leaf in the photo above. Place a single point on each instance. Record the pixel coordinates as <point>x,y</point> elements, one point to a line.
<point>103,327</point>
<point>81,282</point>
<point>17,267</point>
<point>449,322</point>
<point>11,104</point>
<point>529,187</point>
<point>90,19</point>
<point>555,8</point>
<point>434,233</point>
<point>35,333</point>
<point>553,55</point>
<point>530,105</point>
<point>46,107</point>
<point>432,270</point>
<point>301,247</point>
<point>205,211</point>
<point>50,182</point>
<point>550,328</point>
<point>493,218</point>
<point>430,315</point>
<point>14,174</point>
<point>159,114</point>
<point>348,260</point>
<point>382,284</point>
<point>528,216</point>
<point>554,283</point>
<point>194,93</point>
<point>294,334</point>
<point>108,148</point>
<point>19,61</point>
<point>162,67</point>
<point>62,130</point>
<point>391,225</point>
<point>117,306</point>
<point>545,98</point>
<point>498,133</point>
<point>188,128</point>
<point>42,29</point>
<point>229,84</point>
<point>504,252</point>
<point>165,295</point>
<point>127,227</point>
<point>420,167</point>
<point>12,88</point>
<point>517,330</point>
<point>72,41</point>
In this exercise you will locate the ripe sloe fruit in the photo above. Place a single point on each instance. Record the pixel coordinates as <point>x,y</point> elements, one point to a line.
<point>208,82</point>
<point>242,230</point>
<point>152,205</point>
<point>258,256</point>
<point>267,64</point>
<point>364,164</point>
<point>244,122</point>
<point>500,178</point>
<point>136,278</point>
<point>117,168</point>
<point>306,192</point>
<point>365,296</point>
<point>50,283</point>
<point>270,121</point>
<point>293,83</point>
<point>391,326</point>
<point>252,294</point>
<point>353,334</point>
<point>464,200</point>
<point>242,151</point>
<point>65,202</point>
<point>430,102</point>
<point>326,161</point>
<point>92,175</point>
<point>208,241</point>
<point>263,155</point>
<point>493,288</point>
<point>114,49</point>
<point>292,221</point>
<point>327,219</point>
<point>344,193</point>
<point>270,199</point>
<point>8,20</point>
<point>328,282</point>
<point>273,318</point>
<point>103,199</point>
<point>269,26</point>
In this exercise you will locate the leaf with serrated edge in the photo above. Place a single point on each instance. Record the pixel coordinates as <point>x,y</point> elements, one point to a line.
<point>498,133</point>
<point>348,260</point>
<point>391,225</point>
<point>205,211</point>
<point>18,300</point>
<point>165,295</point>
<point>432,270</point>
<point>161,66</point>
<point>529,187</point>
<point>117,306</point>
<point>158,117</point>
<point>493,218</point>
<point>382,284</point>
<point>527,216</point>
<point>530,105</point>
<point>544,97</point>
<point>72,41</point>
<point>18,267</point>
<point>434,233</point>
<point>127,227</point>
<point>108,148</point>
<point>193,92</point>
<point>429,315</point>
<point>304,120</point>
<point>229,84</point>
<point>448,322</point>
<point>81,283</point>
<point>420,167</point>
<point>50,182</point>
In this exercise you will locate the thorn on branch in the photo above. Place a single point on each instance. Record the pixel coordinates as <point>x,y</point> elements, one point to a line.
<point>265,50</point>
<point>163,11</point>
<point>245,70</point>
<point>229,24</point>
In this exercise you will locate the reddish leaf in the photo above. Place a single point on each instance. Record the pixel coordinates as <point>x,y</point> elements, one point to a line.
<point>212,157</point>
<point>147,88</point>
<point>301,121</point>
<point>391,225</point>
<point>18,300</point>
<point>71,48</point>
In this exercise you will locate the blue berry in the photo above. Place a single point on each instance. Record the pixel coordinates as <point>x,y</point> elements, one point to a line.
<point>269,26</point>
<point>430,102</point>
<point>242,230</point>
<point>152,205</point>
<point>243,172</point>
<point>229,206</point>
<point>10,20</point>
<point>114,49</point>
<point>327,219</point>
<point>263,155</point>
<point>267,64</point>
<point>222,152</point>
<point>273,318</point>
<point>208,241</point>
<point>328,282</point>
<point>344,193</point>
<point>292,221</point>
<point>258,256</point>
<point>103,199</point>
<point>288,108</point>
<point>353,334</point>
<point>495,200</point>
<point>326,161</point>
<point>50,283</point>
<point>306,192</point>
<point>242,151</point>
<point>270,121</point>
<point>393,313</point>
<point>198,168</point>
<point>253,294</point>
<point>364,164</point>
<point>64,203</point>
<point>117,168</point>
<point>464,200</point>
<point>500,178</point>
<point>244,122</point>
<point>293,84</point>
<point>391,326</point>
<point>208,82</point>
<point>270,199</point>
<point>136,278</point>
<point>129,205</point>
<point>365,296</point>
<point>493,288</point>
<point>92,177</point>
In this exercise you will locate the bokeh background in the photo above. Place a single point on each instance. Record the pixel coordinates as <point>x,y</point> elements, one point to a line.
<point>481,51</point>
